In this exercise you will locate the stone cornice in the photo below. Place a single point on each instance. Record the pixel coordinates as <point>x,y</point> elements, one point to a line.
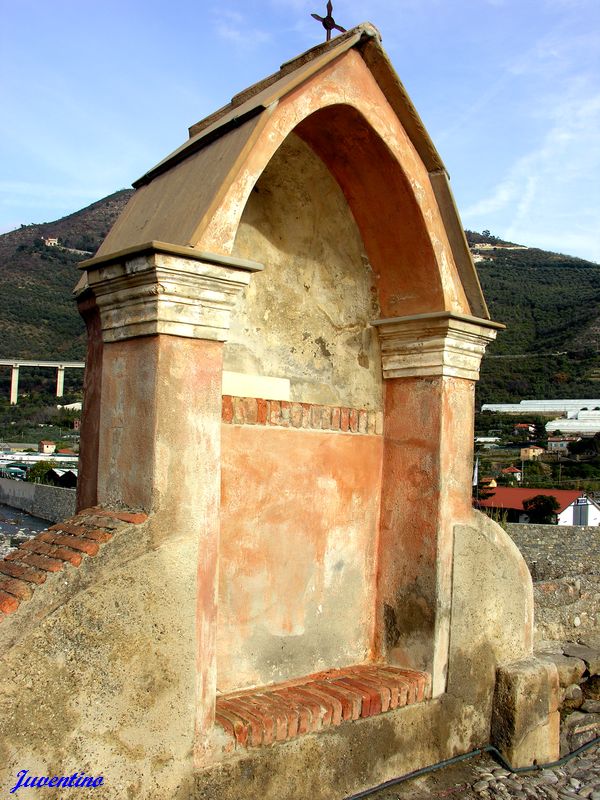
<point>163,289</point>
<point>172,250</point>
<point>437,344</point>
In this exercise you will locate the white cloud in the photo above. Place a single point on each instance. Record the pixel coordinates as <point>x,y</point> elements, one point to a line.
<point>539,200</point>
<point>234,27</point>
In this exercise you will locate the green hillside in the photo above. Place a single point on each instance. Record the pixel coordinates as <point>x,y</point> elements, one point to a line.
<point>549,302</point>
<point>38,318</point>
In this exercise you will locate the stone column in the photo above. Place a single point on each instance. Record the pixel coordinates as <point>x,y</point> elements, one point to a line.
<point>430,363</point>
<point>14,384</point>
<point>60,381</point>
<point>164,314</point>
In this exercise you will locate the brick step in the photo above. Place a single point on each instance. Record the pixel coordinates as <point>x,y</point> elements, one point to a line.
<point>283,711</point>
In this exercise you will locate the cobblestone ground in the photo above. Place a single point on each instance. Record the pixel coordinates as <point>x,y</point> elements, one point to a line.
<point>482,778</point>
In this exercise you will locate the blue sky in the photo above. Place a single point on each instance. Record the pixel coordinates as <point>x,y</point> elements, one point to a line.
<point>94,92</point>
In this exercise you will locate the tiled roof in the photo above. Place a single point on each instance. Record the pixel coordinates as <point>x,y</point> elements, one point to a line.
<point>512,497</point>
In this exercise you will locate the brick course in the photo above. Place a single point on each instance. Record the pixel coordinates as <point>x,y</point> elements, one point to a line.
<point>64,543</point>
<point>284,711</point>
<point>308,416</point>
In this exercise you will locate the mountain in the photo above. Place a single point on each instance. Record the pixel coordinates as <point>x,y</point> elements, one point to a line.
<point>549,302</point>
<point>38,317</point>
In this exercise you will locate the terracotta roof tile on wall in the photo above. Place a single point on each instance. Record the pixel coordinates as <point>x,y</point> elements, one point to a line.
<point>69,542</point>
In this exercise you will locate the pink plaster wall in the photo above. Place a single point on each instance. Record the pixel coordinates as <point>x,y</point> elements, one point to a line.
<point>299,522</point>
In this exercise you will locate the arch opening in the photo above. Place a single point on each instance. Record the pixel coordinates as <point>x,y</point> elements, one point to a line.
<point>384,206</point>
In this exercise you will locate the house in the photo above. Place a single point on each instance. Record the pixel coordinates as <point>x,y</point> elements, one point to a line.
<point>575,507</point>
<point>560,444</point>
<point>513,473</point>
<point>51,241</point>
<point>523,429</point>
<point>67,478</point>
<point>531,453</point>
<point>46,447</point>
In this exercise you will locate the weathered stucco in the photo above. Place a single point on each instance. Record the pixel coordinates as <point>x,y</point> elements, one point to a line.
<point>98,672</point>
<point>492,606</point>
<point>98,676</point>
<point>87,480</point>
<point>306,316</point>
<point>492,611</point>
<point>299,526</point>
<point>426,474</point>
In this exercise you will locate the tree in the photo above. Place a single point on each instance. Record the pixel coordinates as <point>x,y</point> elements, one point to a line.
<point>542,509</point>
<point>37,473</point>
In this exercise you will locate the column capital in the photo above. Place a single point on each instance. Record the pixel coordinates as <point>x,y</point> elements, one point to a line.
<point>168,289</point>
<point>437,344</point>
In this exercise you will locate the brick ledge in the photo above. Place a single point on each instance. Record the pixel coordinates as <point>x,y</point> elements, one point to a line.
<point>281,712</point>
<point>68,542</point>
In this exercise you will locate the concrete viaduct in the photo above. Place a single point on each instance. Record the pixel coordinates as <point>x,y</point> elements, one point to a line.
<point>59,366</point>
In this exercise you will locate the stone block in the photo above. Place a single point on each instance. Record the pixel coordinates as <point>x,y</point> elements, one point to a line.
<point>591,706</point>
<point>587,654</point>
<point>572,696</point>
<point>591,688</point>
<point>580,728</point>
<point>525,721</point>
<point>570,670</point>
<point>539,746</point>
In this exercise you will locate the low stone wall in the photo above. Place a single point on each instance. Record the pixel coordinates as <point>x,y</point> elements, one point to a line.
<point>579,695</point>
<point>558,551</point>
<point>567,609</point>
<point>47,502</point>
<point>564,562</point>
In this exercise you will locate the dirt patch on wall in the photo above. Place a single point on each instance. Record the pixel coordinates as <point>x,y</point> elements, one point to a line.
<point>306,317</point>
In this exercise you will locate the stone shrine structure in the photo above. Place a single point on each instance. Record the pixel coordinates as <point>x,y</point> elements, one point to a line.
<point>276,585</point>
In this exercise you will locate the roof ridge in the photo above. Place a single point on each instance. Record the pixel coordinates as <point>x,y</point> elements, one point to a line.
<point>253,101</point>
<point>366,29</point>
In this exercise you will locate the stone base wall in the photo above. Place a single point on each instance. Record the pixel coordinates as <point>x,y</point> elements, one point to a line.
<point>558,551</point>
<point>568,609</point>
<point>103,620</point>
<point>564,562</point>
<point>578,668</point>
<point>47,502</point>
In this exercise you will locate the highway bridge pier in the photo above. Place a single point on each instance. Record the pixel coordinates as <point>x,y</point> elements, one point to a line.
<point>59,366</point>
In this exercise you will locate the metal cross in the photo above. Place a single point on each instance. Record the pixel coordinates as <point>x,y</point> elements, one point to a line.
<point>328,22</point>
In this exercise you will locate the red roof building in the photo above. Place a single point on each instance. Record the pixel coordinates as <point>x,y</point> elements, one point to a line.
<point>574,507</point>
<point>513,473</point>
